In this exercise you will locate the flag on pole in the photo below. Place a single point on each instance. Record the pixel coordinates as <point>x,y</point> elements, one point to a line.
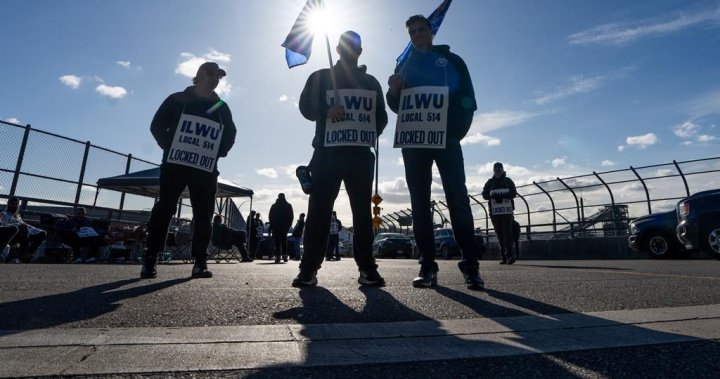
<point>298,43</point>
<point>436,18</point>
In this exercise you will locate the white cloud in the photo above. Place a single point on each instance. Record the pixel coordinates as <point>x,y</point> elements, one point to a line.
<point>71,81</point>
<point>486,122</point>
<point>640,142</point>
<point>706,138</point>
<point>480,138</point>
<point>687,143</point>
<point>705,105</point>
<point>124,64</point>
<point>12,120</point>
<point>217,56</point>
<point>607,163</point>
<point>283,98</point>
<point>686,130</point>
<point>111,92</point>
<point>269,172</point>
<point>580,84</point>
<point>625,33</point>
<point>557,162</point>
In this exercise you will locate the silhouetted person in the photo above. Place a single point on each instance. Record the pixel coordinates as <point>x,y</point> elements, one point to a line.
<point>226,236</point>
<point>433,71</point>
<point>194,128</point>
<point>500,192</point>
<point>345,130</point>
<point>28,236</point>
<point>333,248</point>
<point>281,217</point>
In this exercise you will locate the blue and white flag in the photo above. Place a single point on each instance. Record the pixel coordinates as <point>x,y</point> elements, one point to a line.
<point>298,43</point>
<point>436,18</point>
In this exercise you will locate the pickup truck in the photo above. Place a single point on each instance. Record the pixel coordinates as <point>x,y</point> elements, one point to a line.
<point>654,235</point>
<point>699,222</point>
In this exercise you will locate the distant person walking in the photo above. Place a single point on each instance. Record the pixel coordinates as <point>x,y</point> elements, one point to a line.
<point>252,234</point>
<point>333,246</point>
<point>281,217</point>
<point>347,123</point>
<point>433,72</point>
<point>297,234</point>
<point>194,128</point>
<point>500,192</point>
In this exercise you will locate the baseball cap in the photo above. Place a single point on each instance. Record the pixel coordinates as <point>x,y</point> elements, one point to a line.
<point>351,40</point>
<point>211,67</point>
<point>498,166</point>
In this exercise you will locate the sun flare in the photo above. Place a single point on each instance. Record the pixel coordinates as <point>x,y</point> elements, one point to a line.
<point>321,21</point>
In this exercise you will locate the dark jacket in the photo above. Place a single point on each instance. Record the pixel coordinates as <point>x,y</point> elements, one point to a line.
<point>166,119</point>
<point>462,104</point>
<point>298,229</point>
<point>281,215</point>
<point>314,107</point>
<point>503,182</point>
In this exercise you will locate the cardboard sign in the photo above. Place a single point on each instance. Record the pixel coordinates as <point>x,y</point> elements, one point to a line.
<point>196,143</point>
<point>422,118</point>
<point>357,127</point>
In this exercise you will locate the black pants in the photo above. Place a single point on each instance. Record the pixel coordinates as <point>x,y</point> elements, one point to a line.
<point>503,225</point>
<point>92,245</point>
<point>280,237</point>
<point>202,187</point>
<point>253,245</point>
<point>328,170</point>
<point>7,232</point>
<point>333,248</point>
<point>418,173</point>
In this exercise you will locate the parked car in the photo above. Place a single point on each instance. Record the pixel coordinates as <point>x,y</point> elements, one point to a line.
<point>392,245</point>
<point>699,222</point>
<point>445,245</point>
<point>655,235</point>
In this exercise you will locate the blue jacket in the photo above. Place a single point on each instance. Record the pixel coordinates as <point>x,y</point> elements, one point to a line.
<point>462,104</point>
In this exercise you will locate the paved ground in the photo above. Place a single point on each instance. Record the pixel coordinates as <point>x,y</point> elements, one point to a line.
<point>622,318</point>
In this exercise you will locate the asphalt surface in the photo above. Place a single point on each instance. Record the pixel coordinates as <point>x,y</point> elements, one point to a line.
<point>84,298</point>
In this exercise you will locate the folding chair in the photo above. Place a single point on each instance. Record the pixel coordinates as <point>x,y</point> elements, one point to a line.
<point>177,247</point>
<point>220,249</point>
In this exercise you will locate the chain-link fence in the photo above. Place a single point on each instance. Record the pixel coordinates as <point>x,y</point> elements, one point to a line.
<point>49,171</point>
<point>601,203</point>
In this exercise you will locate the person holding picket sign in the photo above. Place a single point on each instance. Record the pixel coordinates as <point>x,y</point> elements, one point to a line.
<point>432,94</point>
<point>500,192</point>
<point>348,108</point>
<point>194,128</point>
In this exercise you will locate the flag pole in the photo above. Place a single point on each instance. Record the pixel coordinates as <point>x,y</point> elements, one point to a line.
<point>332,70</point>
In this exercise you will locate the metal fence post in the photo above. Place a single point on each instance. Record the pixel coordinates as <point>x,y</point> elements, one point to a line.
<point>647,193</point>
<point>612,198</point>
<point>487,224</point>
<point>577,203</point>
<point>18,164</point>
<point>122,195</point>
<point>687,189</point>
<point>552,203</point>
<point>82,173</point>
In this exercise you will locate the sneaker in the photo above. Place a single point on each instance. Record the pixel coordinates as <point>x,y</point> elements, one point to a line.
<point>149,270</point>
<point>511,260</point>
<point>247,259</point>
<point>78,260</point>
<point>285,259</point>
<point>425,279</point>
<point>277,259</point>
<point>200,271</point>
<point>503,262</point>
<point>91,260</point>
<point>337,258</point>
<point>473,280</point>
<point>305,279</point>
<point>371,278</point>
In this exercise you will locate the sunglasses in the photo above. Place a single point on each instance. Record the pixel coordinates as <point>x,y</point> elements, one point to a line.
<point>418,30</point>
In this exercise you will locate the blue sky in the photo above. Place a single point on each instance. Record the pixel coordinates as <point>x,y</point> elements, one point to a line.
<point>564,87</point>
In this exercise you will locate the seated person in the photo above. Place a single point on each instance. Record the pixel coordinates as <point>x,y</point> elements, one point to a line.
<point>28,236</point>
<point>7,232</point>
<point>225,237</point>
<point>79,232</point>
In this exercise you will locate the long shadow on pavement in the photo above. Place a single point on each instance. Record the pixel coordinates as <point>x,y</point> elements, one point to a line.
<point>83,304</point>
